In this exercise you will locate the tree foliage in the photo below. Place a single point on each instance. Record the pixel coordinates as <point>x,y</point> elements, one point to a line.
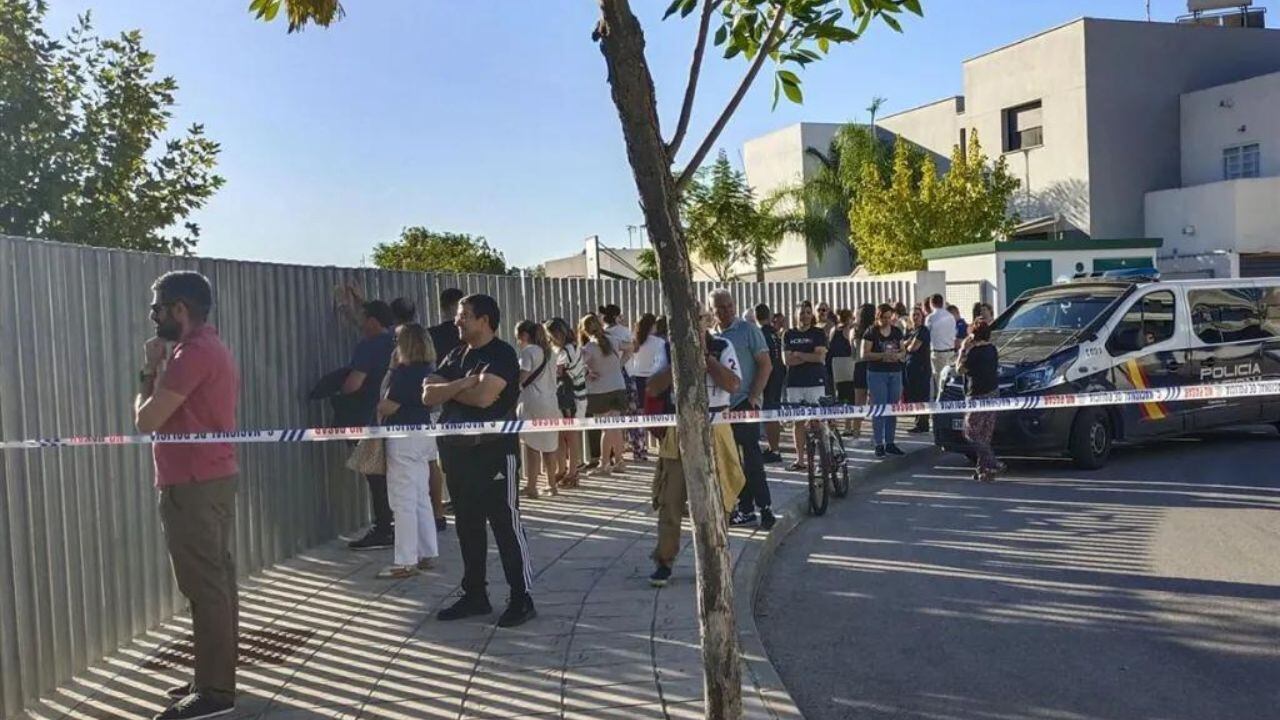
<point>790,33</point>
<point>423,250</point>
<point>647,262</point>
<point>910,209</point>
<point>723,226</point>
<point>81,153</point>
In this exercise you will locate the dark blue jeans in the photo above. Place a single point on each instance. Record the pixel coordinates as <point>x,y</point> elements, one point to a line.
<point>884,387</point>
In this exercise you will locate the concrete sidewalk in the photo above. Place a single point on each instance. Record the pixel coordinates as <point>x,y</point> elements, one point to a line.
<point>321,637</point>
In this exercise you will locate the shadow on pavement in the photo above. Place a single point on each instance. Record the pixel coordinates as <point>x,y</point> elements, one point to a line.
<point>1148,590</point>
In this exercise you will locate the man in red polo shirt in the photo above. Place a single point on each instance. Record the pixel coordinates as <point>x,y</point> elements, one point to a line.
<point>193,390</point>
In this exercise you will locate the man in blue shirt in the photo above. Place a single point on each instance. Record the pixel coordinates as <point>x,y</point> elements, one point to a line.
<point>369,363</point>
<point>753,360</point>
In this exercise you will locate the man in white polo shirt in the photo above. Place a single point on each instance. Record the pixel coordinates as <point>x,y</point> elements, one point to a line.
<point>942,338</point>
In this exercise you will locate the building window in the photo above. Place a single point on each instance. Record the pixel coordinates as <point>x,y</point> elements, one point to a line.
<point>1241,161</point>
<point>1023,127</point>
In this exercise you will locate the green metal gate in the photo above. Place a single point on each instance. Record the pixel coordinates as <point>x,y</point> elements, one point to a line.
<point>1023,275</point>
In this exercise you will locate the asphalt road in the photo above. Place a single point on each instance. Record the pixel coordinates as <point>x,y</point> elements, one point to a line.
<point>1148,589</point>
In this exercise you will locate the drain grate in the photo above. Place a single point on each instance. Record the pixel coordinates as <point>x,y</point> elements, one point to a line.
<point>257,647</point>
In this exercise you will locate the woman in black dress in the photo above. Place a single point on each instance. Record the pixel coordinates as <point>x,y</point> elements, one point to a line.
<point>840,356</point>
<point>918,374</point>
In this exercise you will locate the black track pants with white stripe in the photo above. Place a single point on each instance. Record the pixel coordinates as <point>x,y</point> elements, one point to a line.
<point>483,483</point>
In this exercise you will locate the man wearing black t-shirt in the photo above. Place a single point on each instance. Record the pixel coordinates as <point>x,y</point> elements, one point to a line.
<point>804,348</point>
<point>444,338</point>
<point>445,335</point>
<point>479,380</point>
<point>777,381</point>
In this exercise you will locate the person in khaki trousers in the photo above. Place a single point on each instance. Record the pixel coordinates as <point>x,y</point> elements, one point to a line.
<point>670,491</point>
<point>194,389</point>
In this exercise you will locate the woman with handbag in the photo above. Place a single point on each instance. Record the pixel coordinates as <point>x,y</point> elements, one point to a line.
<point>648,348</point>
<point>537,402</point>
<point>606,389</point>
<point>408,458</point>
<point>571,398</point>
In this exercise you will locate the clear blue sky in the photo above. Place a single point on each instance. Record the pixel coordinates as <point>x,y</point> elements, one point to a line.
<point>491,117</point>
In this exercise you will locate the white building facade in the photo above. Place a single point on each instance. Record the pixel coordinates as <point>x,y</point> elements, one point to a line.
<point>1092,116</point>
<point>1224,221</point>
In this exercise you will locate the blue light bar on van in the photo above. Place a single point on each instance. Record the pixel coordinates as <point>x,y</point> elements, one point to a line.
<point>1133,274</point>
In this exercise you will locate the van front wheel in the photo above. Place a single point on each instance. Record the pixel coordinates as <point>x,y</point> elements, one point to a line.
<point>1091,439</point>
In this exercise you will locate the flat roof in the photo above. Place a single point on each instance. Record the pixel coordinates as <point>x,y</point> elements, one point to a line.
<point>1244,81</point>
<point>1032,36</point>
<point>998,246</point>
<point>950,98</point>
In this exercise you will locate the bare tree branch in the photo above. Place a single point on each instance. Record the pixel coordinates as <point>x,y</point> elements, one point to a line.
<point>695,69</point>
<point>773,40</point>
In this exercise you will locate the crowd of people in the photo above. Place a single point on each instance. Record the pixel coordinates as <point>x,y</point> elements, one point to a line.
<point>599,366</point>
<point>402,372</point>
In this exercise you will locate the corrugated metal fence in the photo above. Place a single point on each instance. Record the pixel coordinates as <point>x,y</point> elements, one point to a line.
<point>84,565</point>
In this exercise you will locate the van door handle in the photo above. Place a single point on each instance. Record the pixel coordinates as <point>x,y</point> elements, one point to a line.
<point>1208,362</point>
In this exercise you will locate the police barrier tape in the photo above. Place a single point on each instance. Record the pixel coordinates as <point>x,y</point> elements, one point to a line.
<point>1219,391</point>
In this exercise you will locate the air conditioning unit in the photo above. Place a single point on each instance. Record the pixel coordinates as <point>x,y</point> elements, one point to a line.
<point>1224,13</point>
<point>1199,6</point>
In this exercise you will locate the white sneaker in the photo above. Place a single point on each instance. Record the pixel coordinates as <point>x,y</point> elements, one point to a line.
<point>397,572</point>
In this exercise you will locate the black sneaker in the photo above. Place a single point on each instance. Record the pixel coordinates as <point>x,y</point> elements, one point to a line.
<point>519,611</point>
<point>879,451</point>
<point>660,576</point>
<point>894,450</point>
<point>465,607</point>
<point>771,456</point>
<point>373,540</point>
<point>177,692</point>
<point>197,705</point>
<point>442,523</point>
<point>739,518</point>
<point>767,519</point>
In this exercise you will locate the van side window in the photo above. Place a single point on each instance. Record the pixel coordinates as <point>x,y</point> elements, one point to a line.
<point>1226,315</point>
<point>1146,322</point>
<point>1271,312</point>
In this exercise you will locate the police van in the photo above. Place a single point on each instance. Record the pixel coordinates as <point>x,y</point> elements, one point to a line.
<point>1126,330</point>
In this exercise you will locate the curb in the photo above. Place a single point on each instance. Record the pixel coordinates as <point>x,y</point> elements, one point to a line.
<point>752,566</point>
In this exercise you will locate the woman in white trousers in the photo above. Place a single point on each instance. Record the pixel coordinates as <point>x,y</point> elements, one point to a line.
<point>409,458</point>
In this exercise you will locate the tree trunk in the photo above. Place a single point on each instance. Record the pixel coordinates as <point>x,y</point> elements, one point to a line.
<point>622,43</point>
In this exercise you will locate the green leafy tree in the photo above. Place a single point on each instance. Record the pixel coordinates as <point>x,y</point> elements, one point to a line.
<point>791,34</point>
<point>900,214</point>
<point>647,265</point>
<point>423,250</point>
<point>82,157</point>
<point>977,196</point>
<point>723,226</point>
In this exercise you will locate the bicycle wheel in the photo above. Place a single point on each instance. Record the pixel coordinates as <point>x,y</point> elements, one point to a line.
<point>819,481</point>
<point>839,464</point>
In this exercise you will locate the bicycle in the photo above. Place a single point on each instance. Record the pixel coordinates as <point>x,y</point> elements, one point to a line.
<point>830,474</point>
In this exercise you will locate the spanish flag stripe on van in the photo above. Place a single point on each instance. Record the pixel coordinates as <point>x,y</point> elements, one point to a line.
<point>1150,411</point>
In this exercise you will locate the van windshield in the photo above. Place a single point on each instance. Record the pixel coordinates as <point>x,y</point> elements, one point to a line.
<point>1058,310</point>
